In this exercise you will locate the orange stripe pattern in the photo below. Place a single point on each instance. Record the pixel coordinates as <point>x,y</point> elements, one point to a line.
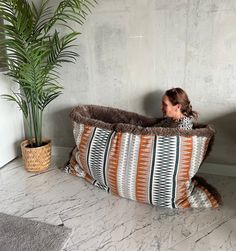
<point>83,148</point>
<point>148,169</point>
<point>183,172</point>
<point>113,163</point>
<point>143,169</point>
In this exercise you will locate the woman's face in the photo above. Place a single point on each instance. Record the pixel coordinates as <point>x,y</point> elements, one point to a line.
<point>168,109</point>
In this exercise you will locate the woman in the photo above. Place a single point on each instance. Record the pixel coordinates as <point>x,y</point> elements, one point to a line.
<point>177,110</point>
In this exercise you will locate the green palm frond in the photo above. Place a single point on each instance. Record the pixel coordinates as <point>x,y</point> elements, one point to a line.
<point>36,50</point>
<point>20,100</point>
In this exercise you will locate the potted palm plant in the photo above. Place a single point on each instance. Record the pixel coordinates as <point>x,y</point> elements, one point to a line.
<point>36,50</point>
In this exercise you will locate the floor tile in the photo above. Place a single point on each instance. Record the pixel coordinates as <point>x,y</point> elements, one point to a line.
<point>101,221</point>
<point>221,236</point>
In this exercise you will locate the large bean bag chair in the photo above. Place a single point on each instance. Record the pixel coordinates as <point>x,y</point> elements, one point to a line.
<point>128,155</point>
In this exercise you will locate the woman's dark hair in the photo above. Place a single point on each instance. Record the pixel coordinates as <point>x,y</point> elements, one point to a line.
<point>179,96</point>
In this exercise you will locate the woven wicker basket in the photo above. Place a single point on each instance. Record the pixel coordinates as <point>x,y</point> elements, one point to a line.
<point>36,159</point>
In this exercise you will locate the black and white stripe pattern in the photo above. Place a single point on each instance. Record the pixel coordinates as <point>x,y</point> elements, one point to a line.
<point>198,154</point>
<point>163,172</point>
<point>97,154</point>
<point>166,156</point>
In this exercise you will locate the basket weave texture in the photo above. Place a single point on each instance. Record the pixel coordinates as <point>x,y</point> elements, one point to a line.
<point>36,159</point>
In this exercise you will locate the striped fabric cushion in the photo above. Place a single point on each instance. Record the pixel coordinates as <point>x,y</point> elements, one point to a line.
<point>155,169</point>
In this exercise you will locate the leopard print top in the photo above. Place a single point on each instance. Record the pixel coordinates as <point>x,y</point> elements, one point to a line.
<point>186,123</point>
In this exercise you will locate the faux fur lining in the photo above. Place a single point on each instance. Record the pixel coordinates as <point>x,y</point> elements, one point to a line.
<point>123,121</point>
<point>212,190</point>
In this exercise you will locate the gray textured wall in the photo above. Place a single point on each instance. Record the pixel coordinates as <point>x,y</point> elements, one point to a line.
<point>131,51</point>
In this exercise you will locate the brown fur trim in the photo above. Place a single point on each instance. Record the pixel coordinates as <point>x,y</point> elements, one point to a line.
<point>212,190</point>
<point>123,121</point>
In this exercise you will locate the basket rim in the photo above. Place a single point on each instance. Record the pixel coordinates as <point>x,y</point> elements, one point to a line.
<point>25,142</point>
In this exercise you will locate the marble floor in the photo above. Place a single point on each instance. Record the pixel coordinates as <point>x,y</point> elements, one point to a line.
<point>101,221</point>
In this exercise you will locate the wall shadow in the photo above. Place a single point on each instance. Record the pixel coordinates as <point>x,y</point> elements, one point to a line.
<point>224,148</point>
<point>59,129</point>
<point>152,104</point>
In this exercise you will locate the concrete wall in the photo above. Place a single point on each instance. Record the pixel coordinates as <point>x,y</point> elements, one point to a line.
<point>131,51</point>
